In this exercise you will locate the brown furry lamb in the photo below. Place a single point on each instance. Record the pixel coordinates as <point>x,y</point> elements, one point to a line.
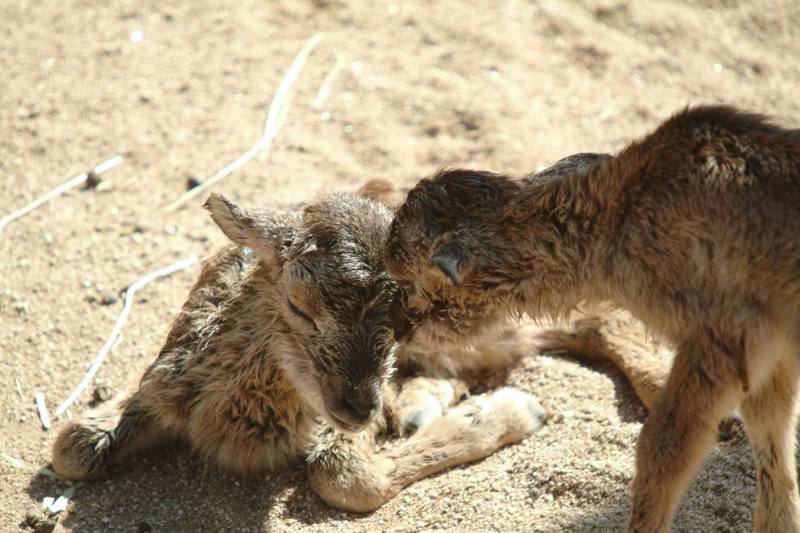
<point>695,229</point>
<point>284,351</point>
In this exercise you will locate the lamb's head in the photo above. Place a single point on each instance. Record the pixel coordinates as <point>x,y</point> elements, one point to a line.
<point>445,250</point>
<point>334,297</point>
<point>455,251</point>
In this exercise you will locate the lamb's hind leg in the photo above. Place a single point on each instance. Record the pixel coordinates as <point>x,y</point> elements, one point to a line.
<point>349,473</point>
<point>618,338</point>
<point>770,416</point>
<point>105,436</point>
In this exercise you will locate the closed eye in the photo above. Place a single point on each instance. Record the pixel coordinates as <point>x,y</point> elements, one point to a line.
<point>294,309</point>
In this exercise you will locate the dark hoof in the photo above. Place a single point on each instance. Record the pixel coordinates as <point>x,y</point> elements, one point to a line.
<point>729,427</point>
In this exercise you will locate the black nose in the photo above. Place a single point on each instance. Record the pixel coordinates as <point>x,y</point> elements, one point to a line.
<point>362,401</point>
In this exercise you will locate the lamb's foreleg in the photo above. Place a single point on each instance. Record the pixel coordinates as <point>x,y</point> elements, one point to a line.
<point>349,471</point>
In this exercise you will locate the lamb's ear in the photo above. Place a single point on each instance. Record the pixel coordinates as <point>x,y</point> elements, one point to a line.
<point>383,191</point>
<point>263,231</point>
<point>451,261</point>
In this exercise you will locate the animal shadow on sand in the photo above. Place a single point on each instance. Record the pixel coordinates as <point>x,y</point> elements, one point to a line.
<point>173,490</point>
<point>708,499</point>
<point>719,499</point>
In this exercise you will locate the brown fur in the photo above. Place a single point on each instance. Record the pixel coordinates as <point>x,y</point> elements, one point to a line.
<point>602,335</point>
<point>694,229</point>
<point>284,351</point>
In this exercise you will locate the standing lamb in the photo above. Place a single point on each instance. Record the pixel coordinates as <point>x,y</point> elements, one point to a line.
<point>695,229</point>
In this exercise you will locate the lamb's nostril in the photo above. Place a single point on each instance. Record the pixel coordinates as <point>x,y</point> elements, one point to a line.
<point>361,404</point>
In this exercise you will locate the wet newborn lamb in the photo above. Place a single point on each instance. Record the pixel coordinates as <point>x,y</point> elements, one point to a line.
<point>284,351</point>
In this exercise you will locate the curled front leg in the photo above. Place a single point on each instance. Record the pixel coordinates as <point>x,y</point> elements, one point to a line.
<point>350,472</point>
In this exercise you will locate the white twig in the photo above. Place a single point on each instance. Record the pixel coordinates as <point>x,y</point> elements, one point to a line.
<point>123,316</point>
<point>19,389</point>
<point>271,125</point>
<point>56,505</point>
<point>325,89</point>
<point>18,463</point>
<point>44,416</point>
<point>61,189</point>
<point>14,462</point>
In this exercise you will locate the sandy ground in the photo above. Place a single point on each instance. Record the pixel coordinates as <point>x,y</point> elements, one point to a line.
<point>505,85</point>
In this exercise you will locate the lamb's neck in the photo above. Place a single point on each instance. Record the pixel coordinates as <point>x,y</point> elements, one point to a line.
<point>557,226</point>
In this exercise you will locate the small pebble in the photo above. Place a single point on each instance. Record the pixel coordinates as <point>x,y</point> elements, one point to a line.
<point>192,182</point>
<point>92,180</point>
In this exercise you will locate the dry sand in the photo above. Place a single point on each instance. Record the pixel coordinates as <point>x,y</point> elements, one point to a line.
<point>507,86</point>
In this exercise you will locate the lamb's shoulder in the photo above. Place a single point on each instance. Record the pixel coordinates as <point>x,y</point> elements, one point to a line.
<point>231,297</point>
<point>223,337</point>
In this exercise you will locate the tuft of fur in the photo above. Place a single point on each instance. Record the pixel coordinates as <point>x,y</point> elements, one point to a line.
<point>694,229</point>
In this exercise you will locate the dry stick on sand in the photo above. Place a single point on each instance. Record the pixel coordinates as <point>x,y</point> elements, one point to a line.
<point>19,389</point>
<point>123,316</point>
<point>54,505</point>
<point>13,462</point>
<point>44,416</point>
<point>277,110</point>
<point>327,83</point>
<point>61,189</point>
